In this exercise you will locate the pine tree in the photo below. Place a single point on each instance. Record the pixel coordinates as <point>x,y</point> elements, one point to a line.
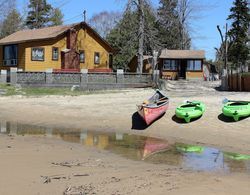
<point>11,24</point>
<point>39,14</point>
<point>238,52</point>
<point>168,24</point>
<point>56,17</point>
<point>124,37</point>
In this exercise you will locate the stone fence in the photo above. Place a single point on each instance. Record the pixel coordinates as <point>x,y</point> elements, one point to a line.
<point>84,79</point>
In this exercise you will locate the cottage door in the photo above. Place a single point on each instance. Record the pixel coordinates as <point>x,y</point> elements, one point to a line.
<point>62,60</point>
<point>182,69</point>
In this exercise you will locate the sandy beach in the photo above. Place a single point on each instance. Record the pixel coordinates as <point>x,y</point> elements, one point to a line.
<point>33,164</point>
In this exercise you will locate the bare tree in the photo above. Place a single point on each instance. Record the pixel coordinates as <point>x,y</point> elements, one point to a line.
<point>5,8</point>
<point>140,6</point>
<point>104,22</point>
<point>190,11</point>
<point>185,9</point>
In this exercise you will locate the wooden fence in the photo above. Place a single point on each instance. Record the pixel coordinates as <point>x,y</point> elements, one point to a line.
<point>239,82</point>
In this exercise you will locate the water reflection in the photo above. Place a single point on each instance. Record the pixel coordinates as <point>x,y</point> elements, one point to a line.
<point>136,147</point>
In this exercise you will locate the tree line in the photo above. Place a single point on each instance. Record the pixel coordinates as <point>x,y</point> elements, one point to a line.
<point>143,29</point>
<point>39,14</point>
<point>233,53</point>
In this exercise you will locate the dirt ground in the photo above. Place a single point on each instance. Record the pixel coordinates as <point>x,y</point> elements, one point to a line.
<point>24,159</point>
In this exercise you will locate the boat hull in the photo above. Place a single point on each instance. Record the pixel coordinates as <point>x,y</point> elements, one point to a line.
<point>190,112</point>
<point>149,115</point>
<point>236,111</point>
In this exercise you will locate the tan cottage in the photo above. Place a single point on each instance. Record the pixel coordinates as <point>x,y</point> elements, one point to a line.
<point>68,47</point>
<point>184,64</point>
<point>174,64</point>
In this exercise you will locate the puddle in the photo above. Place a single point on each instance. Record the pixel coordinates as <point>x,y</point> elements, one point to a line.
<point>141,148</point>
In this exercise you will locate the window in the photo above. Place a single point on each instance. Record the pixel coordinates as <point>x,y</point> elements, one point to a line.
<point>190,64</point>
<point>55,53</point>
<point>37,54</point>
<point>10,55</point>
<point>194,65</point>
<point>97,58</point>
<point>170,64</point>
<point>82,56</point>
<point>197,65</point>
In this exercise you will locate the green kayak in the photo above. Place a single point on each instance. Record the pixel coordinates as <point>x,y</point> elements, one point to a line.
<point>190,110</point>
<point>189,148</point>
<point>236,109</point>
<point>236,156</point>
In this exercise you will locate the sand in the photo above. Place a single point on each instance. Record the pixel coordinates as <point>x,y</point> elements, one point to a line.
<point>24,159</point>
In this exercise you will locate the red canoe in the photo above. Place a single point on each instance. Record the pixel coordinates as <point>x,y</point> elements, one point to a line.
<point>154,107</point>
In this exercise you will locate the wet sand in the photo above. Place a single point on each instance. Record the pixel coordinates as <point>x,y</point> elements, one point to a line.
<point>24,159</point>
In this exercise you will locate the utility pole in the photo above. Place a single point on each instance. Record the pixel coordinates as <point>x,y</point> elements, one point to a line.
<point>84,16</point>
<point>224,43</point>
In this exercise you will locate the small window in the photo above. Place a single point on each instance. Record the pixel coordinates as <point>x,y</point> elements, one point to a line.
<point>97,58</point>
<point>194,65</point>
<point>55,53</point>
<point>82,56</point>
<point>10,55</point>
<point>197,65</point>
<point>37,54</point>
<point>190,64</point>
<point>170,64</point>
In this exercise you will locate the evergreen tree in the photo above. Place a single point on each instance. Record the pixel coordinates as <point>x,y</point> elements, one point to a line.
<point>56,17</point>
<point>168,24</point>
<point>124,37</point>
<point>11,24</point>
<point>238,52</point>
<point>39,14</point>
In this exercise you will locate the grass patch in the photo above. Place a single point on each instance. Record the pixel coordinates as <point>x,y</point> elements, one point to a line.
<point>9,90</point>
<point>42,91</point>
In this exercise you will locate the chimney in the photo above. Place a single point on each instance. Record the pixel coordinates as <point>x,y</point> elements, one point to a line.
<point>71,39</point>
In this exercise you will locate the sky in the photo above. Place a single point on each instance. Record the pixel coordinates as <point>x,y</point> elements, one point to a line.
<point>204,32</point>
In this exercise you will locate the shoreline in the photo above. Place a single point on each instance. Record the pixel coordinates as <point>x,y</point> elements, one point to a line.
<point>48,164</point>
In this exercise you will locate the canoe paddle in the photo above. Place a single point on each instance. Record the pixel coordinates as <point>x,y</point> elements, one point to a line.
<point>224,101</point>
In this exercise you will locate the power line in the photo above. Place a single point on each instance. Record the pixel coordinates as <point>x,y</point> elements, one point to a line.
<point>60,4</point>
<point>77,16</point>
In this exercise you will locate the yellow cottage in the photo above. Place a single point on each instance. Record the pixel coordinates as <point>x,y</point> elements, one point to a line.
<point>68,47</point>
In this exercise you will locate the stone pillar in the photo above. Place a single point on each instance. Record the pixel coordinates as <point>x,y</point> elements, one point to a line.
<point>49,132</point>
<point>12,128</point>
<point>84,78</point>
<point>13,76</point>
<point>49,76</point>
<point>3,128</point>
<point>120,76</point>
<point>118,136</point>
<point>3,76</point>
<point>83,136</point>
